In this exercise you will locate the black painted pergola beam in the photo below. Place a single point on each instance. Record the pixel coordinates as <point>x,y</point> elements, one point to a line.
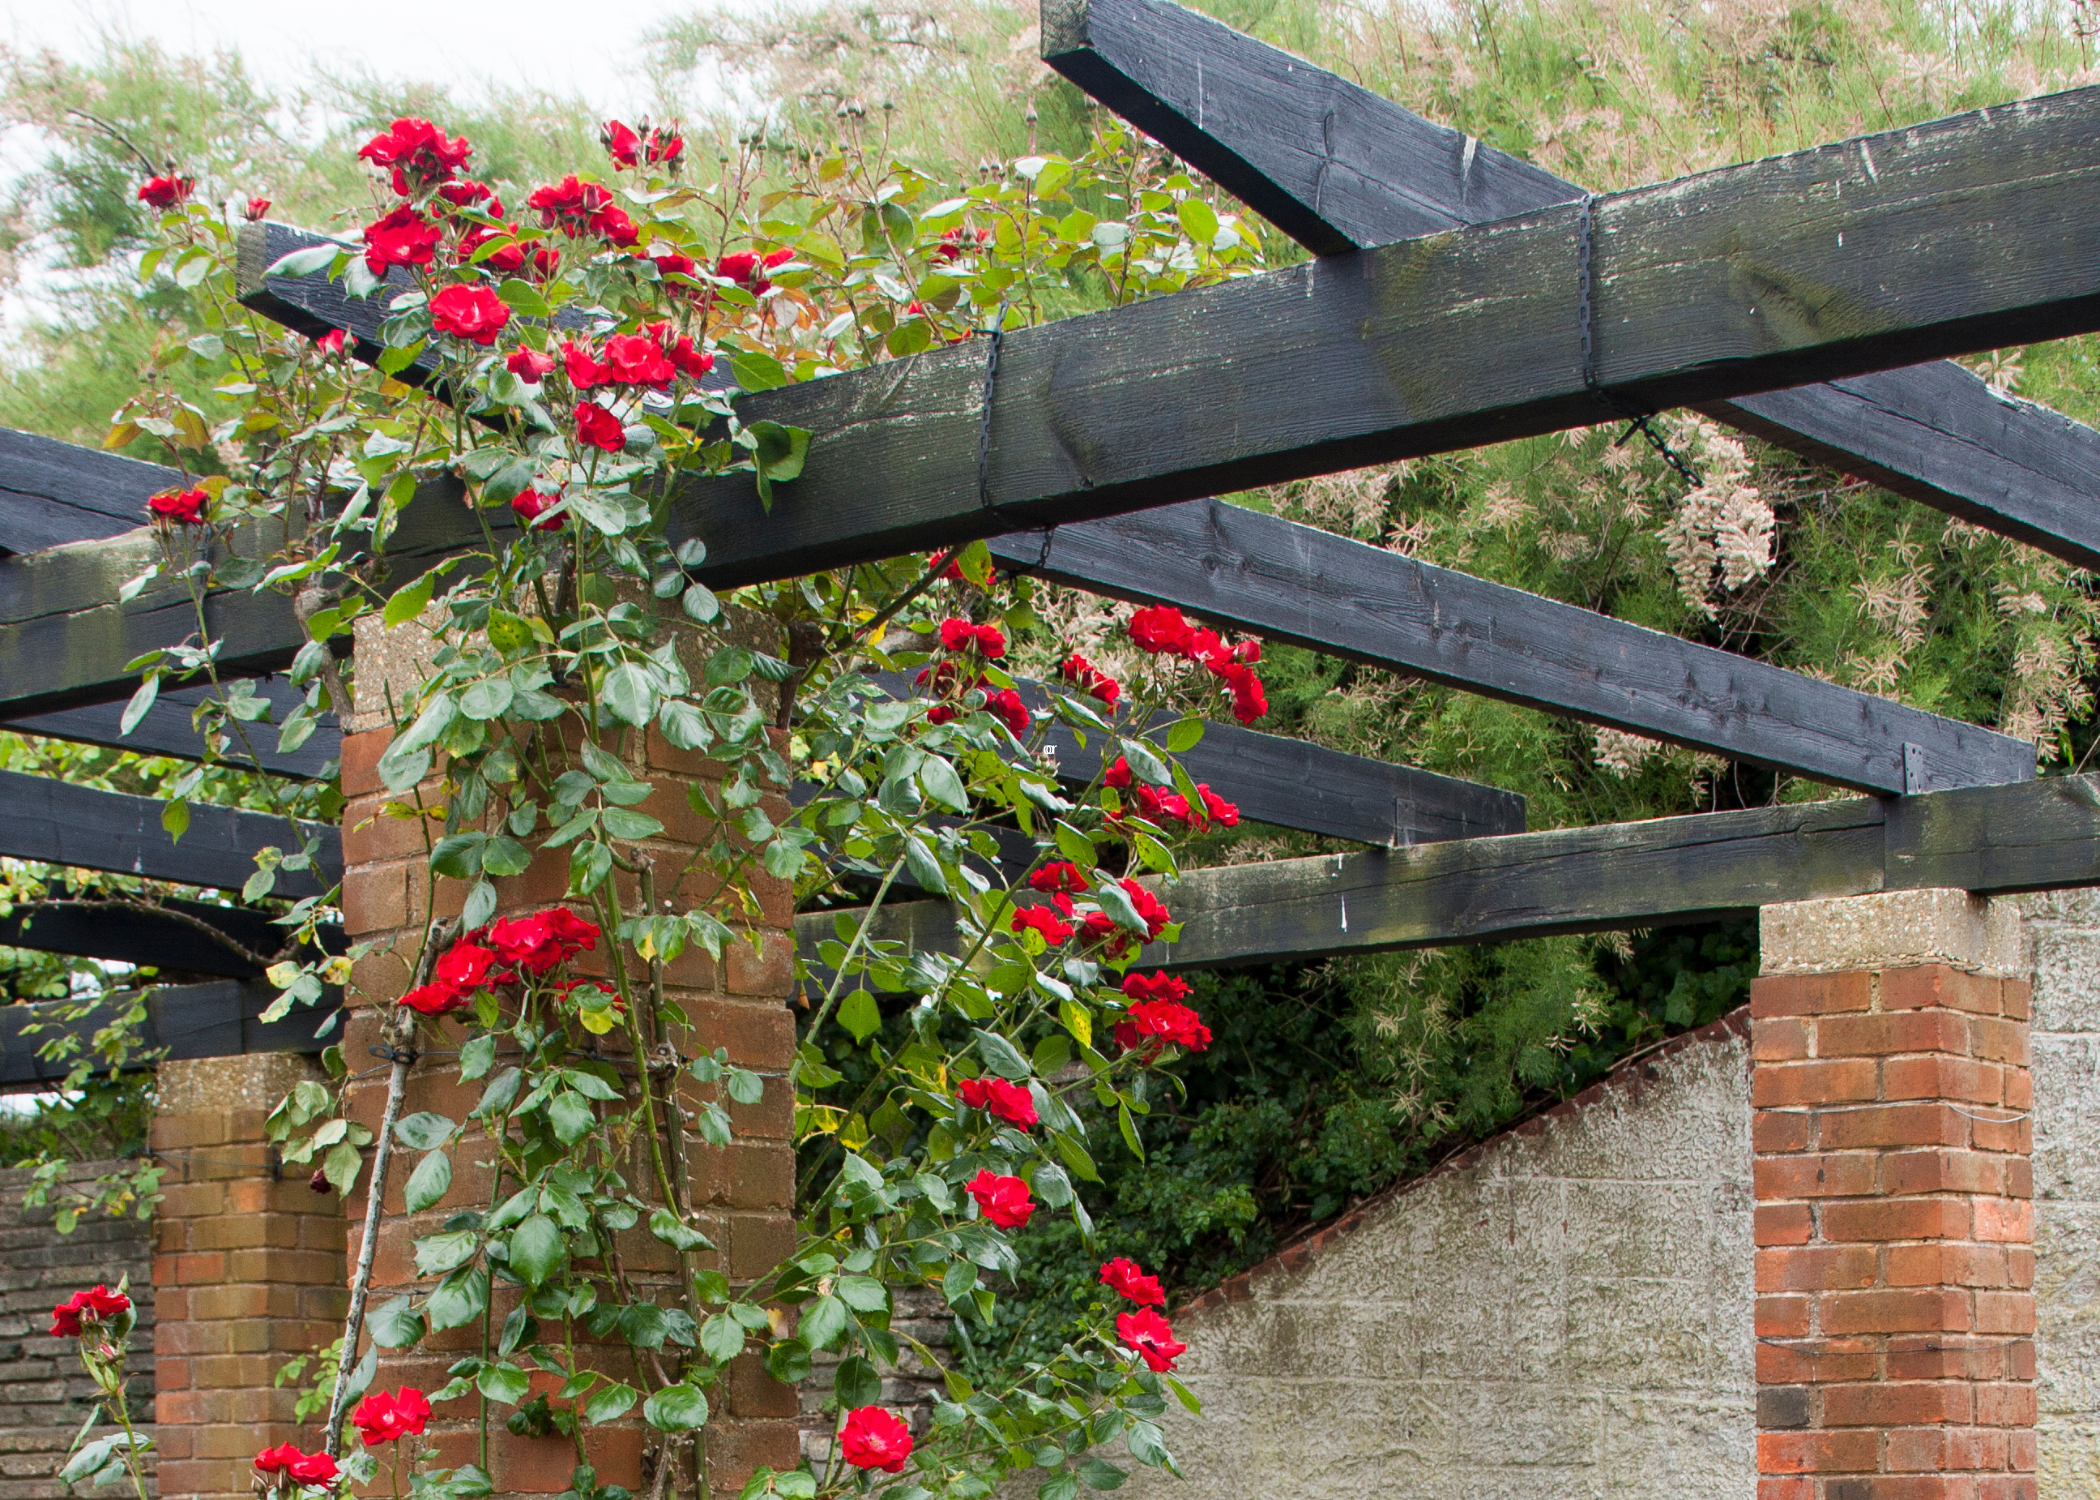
<point>1338,167</point>
<point>216,1019</point>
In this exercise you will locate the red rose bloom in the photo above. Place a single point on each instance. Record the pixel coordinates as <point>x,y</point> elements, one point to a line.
<point>1098,684</point>
<point>512,256</point>
<point>185,507</point>
<point>529,365</point>
<point>418,153</point>
<point>686,359</point>
<point>1007,704</point>
<point>165,192</point>
<point>529,505</point>
<point>276,1460</point>
<point>875,1439</point>
<point>469,312</point>
<point>538,942</point>
<point>403,238</point>
<point>255,209</point>
<point>436,999</point>
<point>744,266</point>
<point>381,1418</point>
<point>95,1305</point>
<point>465,967</point>
<point>1003,1200</point>
<point>314,1468</point>
<point>582,367</point>
<point>1044,920</point>
<point>1162,806</point>
<point>1153,1024</point>
<point>1224,814</point>
<point>470,194</point>
<point>1118,775</point>
<point>637,359</point>
<point>569,204</point>
<point>598,428</point>
<point>961,635</point>
<point>1127,1279</point>
<point>331,343</point>
<point>671,263</point>
<point>1155,987</point>
<point>613,224</point>
<point>1058,875</point>
<point>1007,1101</point>
<point>1152,1337</point>
<point>664,147</point>
<point>621,143</point>
<point>1157,628</point>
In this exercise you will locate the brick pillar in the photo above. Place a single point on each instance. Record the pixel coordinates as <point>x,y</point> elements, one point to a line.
<point>247,1271</point>
<point>745,1192</point>
<point>1895,1263</point>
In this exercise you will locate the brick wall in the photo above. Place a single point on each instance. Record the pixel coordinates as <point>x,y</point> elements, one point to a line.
<point>44,1396</point>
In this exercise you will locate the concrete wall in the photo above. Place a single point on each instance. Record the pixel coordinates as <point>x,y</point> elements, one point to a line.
<point>1562,1312</point>
<point>44,1395</point>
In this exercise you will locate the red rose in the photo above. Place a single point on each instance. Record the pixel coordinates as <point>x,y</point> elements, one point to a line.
<point>186,507</point>
<point>680,351</point>
<point>381,1418</point>
<point>955,241</point>
<point>1003,1200</point>
<point>529,365</point>
<point>469,312</point>
<point>1044,920</point>
<point>465,967</point>
<point>1118,775</point>
<point>436,999</point>
<point>582,367</point>
<point>331,343</point>
<point>314,1468</point>
<point>1159,627</point>
<point>637,359</point>
<point>256,208</point>
<point>403,238</point>
<point>418,153</point>
<point>671,263</point>
<point>621,143</point>
<point>538,942</point>
<point>95,1305</point>
<point>1058,875</point>
<point>165,192</point>
<point>1007,704</point>
<point>1224,814</point>
<point>468,194</point>
<point>598,428</point>
<point>1155,987</point>
<point>319,1183</point>
<point>276,1460</point>
<point>1126,1279</point>
<point>1162,806</point>
<point>665,146</point>
<point>958,634</point>
<point>613,224</point>
<point>1083,673</point>
<point>510,258</point>
<point>1008,1101</point>
<point>1153,1024</point>
<point>1152,1337</point>
<point>875,1439</point>
<point>744,266</point>
<point>569,204</point>
<point>529,505</point>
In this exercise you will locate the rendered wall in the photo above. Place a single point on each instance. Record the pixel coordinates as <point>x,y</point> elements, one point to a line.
<point>1562,1312</point>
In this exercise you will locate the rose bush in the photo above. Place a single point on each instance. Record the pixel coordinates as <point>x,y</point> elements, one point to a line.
<point>560,363</point>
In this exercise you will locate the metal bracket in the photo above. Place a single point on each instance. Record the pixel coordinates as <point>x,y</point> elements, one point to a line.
<point>1915,776</point>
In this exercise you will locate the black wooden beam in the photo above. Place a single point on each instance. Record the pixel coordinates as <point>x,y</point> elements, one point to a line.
<point>2039,835</point>
<point>168,729</point>
<point>1311,588</point>
<point>1338,167</point>
<point>192,937</point>
<point>63,824</point>
<point>52,493</point>
<point>1963,234</point>
<point>218,1019</point>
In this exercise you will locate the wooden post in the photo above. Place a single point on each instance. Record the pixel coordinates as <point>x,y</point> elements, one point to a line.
<point>1895,1264</point>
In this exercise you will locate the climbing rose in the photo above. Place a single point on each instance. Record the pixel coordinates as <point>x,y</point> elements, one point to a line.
<point>598,428</point>
<point>165,192</point>
<point>1118,775</point>
<point>1160,805</point>
<point>307,1468</point>
<point>1224,814</point>
<point>184,506</point>
<point>529,365</point>
<point>1152,1337</point>
<point>256,208</point>
<point>465,967</point>
<point>1098,684</point>
<point>403,238</point>
<point>875,1439</point>
<point>1157,628</point>
<point>743,268</point>
<point>1009,1101</point>
<point>1045,921</point>
<point>529,505</point>
<point>1155,987</point>
<point>569,204</point>
<point>1007,704</point>
<point>1126,1278</point>
<point>418,153</point>
<point>582,367</point>
<point>437,999</point>
<point>1152,1024</point>
<point>664,146</point>
<point>614,224</point>
<point>331,343</point>
<point>961,635</point>
<point>1148,906</point>
<point>1058,875</point>
<point>637,359</point>
<point>538,942</point>
<point>95,1304</point>
<point>469,312</point>
<point>1003,1200</point>
<point>381,1418</point>
<point>621,143</point>
<point>468,194</point>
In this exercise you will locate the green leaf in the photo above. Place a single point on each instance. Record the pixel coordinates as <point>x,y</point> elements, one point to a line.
<point>865,1293</point>
<point>1002,1057</point>
<point>1116,902</point>
<point>424,1131</point>
<point>141,701</point>
<point>942,784</point>
<point>430,1181</point>
<point>572,1118</point>
<point>476,1057</point>
<point>721,1338</point>
<point>628,694</point>
<point>409,602</point>
<point>460,1299</point>
<point>1129,1128</point>
<point>859,1014</point>
<point>397,357</point>
<point>304,262</point>
<point>1075,846</point>
<point>1185,735</point>
<point>1184,1395</point>
<point>1146,1444</point>
<point>924,867</point>
<point>756,371</point>
<point>536,1249</point>
<point>781,450</point>
<point>676,1408</point>
<point>394,1325</point>
<point>609,1403</point>
<point>486,699</point>
<point>856,1383</point>
<point>503,856</point>
<point>700,603</point>
<point>523,297</point>
<point>1099,1474</point>
<point>625,823</point>
<point>175,818</point>
<point>676,1233</point>
<point>505,1383</point>
<point>438,1253</point>
<point>823,1323</point>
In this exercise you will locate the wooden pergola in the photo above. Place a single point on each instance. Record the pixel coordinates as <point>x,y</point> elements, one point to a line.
<point>1456,297</point>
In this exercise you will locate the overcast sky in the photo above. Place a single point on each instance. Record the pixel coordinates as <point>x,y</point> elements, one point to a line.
<point>564,45</point>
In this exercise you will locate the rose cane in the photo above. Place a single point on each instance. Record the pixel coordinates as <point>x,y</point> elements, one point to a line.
<point>102,1320</point>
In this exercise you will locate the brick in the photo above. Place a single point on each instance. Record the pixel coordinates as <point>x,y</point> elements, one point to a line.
<point>1889,1032</point>
<point>1923,1123</point>
<point>1809,994</point>
<point>768,973</point>
<point>1896,1404</point>
<point>2005,1312</point>
<point>1948,1265</point>
<point>1896,1219</point>
<point>1961,1448</point>
<point>1781,1317</point>
<point>375,899</point>
<point>1816,1452</point>
<point>1777,1178</point>
<point>2006,1404</point>
<point>1783,1224</point>
<point>1947,1170</point>
<point>1783,1408</point>
<point>1932,1077</point>
<point>1778,1039</point>
<point>1816,1268</point>
<point>1999,1040</point>
<point>1893,1311</point>
<point>1836,1081</point>
<point>361,754</point>
<point>1774,1131</point>
<point>2017,999</point>
<point>2004,1219</point>
<point>1940,985</point>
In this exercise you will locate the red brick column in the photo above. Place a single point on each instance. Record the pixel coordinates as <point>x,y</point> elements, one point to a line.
<point>1895,1268</point>
<point>744,1192</point>
<point>247,1271</point>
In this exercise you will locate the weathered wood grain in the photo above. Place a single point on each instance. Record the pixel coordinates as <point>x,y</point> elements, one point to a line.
<point>1991,840</point>
<point>63,824</point>
<point>157,938</point>
<point>1310,588</point>
<point>216,1019</point>
<point>53,492</point>
<point>1962,234</point>
<point>168,729</point>
<point>1337,168</point>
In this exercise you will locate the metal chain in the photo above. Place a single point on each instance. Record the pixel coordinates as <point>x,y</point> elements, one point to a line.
<point>984,421</point>
<point>1636,419</point>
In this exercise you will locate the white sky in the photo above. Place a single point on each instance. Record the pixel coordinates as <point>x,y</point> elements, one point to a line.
<point>564,45</point>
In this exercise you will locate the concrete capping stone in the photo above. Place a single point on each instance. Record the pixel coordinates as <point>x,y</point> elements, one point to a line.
<point>1895,930</point>
<point>212,1085</point>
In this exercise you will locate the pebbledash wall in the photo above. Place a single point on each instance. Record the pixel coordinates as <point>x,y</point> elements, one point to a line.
<point>1566,1310</point>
